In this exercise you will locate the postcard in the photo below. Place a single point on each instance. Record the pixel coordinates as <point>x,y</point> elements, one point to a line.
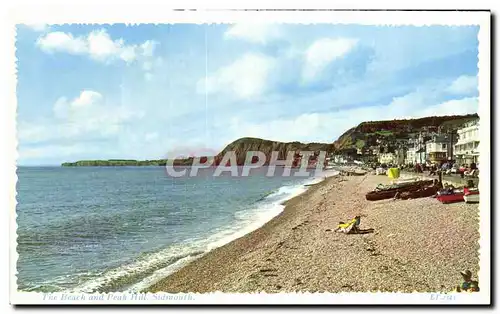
<point>251,157</point>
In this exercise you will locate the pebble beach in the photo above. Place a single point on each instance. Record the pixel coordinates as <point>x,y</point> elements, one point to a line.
<point>409,245</point>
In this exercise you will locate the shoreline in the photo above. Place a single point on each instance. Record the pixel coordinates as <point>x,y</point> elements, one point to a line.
<point>326,175</point>
<point>298,251</point>
<point>252,226</point>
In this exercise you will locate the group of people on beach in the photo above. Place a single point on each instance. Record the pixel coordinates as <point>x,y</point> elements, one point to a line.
<point>446,167</point>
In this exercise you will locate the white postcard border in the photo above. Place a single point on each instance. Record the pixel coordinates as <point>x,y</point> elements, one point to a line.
<point>155,13</point>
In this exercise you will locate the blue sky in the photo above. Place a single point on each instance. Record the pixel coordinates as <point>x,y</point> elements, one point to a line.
<point>151,91</point>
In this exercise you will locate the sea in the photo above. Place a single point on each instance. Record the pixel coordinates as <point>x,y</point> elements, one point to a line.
<point>116,229</point>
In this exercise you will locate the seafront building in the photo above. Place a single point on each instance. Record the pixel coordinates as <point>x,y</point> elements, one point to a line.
<point>386,158</point>
<point>437,149</point>
<point>416,153</point>
<point>467,146</point>
<point>411,155</point>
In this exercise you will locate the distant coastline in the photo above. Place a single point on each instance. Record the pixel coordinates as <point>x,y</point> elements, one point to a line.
<point>239,147</point>
<point>124,162</point>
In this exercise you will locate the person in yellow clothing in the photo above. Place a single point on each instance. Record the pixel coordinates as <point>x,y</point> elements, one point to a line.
<point>352,226</point>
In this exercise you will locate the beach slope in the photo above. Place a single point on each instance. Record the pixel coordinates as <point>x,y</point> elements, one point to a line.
<point>416,245</point>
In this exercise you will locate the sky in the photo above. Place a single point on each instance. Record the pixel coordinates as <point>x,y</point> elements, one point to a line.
<point>153,91</point>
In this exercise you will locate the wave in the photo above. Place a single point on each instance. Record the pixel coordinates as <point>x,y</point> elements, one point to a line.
<point>125,276</point>
<point>151,267</point>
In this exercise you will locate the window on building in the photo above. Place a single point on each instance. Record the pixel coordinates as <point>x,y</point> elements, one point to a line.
<point>443,146</point>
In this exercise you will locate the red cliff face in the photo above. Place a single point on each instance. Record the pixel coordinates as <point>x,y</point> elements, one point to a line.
<point>242,146</point>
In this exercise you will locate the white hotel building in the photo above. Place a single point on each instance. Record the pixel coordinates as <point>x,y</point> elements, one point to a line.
<point>416,151</point>
<point>467,147</point>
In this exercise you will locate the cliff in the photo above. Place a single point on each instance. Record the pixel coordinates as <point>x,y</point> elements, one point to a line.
<point>246,144</point>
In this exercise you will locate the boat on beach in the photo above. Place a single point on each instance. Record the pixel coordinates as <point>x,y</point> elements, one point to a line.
<point>451,197</point>
<point>425,191</point>
<point>471,195</point>
<point>391,191</point>
<point>403,184</point>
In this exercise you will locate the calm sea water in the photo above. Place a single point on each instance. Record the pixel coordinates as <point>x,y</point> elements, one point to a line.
<point>122,228</point>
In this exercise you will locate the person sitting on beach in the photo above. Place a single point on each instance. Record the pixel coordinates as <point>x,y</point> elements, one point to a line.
<point>350,227</point>
<point>468,285</point>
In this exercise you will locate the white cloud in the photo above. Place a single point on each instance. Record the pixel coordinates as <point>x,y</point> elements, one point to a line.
<point>98,45</point>
<point>421,104</point>
<point>89,112</point>
<point>256,33</point>
<point>305,127</point>
<point>102,47</point>
<point>324,51</point>
<point>86,115</point>
<point>464,85</point>
<point>453,107</point>
<point>148,48</point>
<point>326,127</point>
<point>38,27</point>
<point>64,109</point>
<point>62,42</point>
<point>245,78</point>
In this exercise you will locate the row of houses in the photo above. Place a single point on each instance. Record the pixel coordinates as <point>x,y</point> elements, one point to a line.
<point>433,147</point>
<point>461,146</point>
